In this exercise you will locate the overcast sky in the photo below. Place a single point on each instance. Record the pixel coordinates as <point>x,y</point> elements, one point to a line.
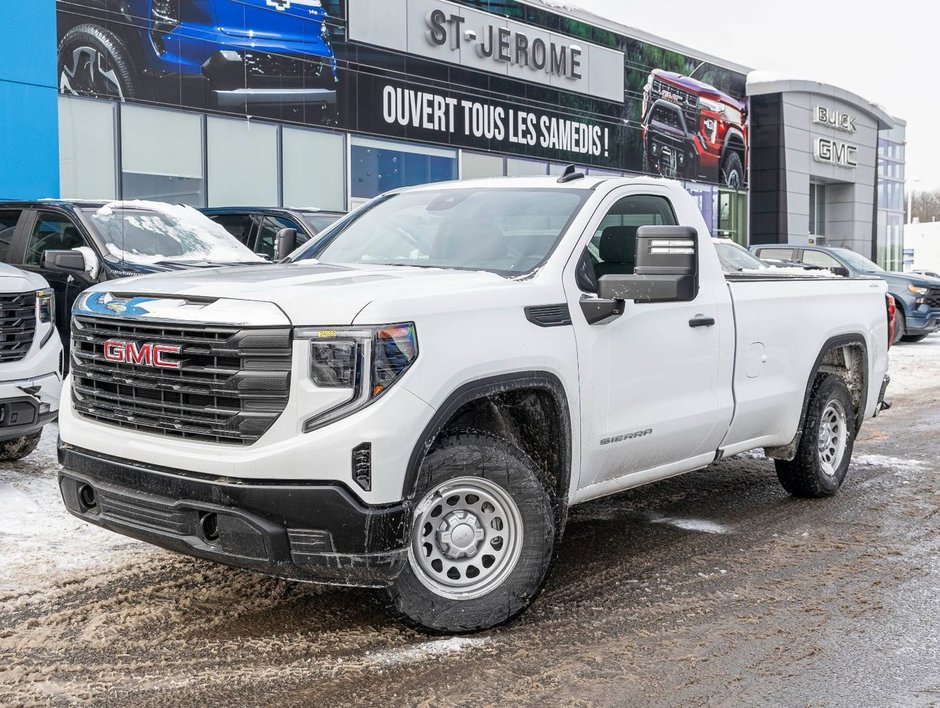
<point>886,52</point>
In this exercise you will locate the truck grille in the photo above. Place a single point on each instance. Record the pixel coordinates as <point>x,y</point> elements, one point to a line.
<point>17,325</point>
<point>232,384</point>
<point>265,70</point>
<point>933,298</point>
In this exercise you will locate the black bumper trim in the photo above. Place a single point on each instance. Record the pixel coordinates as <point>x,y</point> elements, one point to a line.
<point>35,423</point>
<point>309,532</point>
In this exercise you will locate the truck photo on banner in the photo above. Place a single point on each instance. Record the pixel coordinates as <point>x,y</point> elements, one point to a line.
<point>508,77</point>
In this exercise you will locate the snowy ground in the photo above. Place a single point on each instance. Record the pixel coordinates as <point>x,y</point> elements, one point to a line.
<point>40,542</point>
<point>714,587</point>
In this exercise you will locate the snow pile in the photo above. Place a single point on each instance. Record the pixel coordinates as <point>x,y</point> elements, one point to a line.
<point>424,651</point>
<point>913,366</point>
<point>40,542</point>
<point>181,232</point>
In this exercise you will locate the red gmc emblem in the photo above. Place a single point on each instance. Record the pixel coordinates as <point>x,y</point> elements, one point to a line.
<point>147,354</point>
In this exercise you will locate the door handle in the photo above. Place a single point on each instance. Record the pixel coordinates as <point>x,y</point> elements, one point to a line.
<point>702,321</point>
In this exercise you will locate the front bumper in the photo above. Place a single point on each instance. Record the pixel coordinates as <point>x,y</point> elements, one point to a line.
<point>308,532</point>
<point>27,405</point>
<point>923,325</point>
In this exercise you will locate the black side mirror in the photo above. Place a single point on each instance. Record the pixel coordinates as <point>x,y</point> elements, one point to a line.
<point>841,271</point>
<point>666,268</point>
<point>285,243</point>
<point>71,262</point>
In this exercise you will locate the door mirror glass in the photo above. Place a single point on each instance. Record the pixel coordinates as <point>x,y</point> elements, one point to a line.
<point>285,243</point>
<point>666,268</point>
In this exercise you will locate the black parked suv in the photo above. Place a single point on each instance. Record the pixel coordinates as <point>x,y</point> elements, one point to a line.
<point>76,244</point>
<point>258,227</point>
<point>917,296</point>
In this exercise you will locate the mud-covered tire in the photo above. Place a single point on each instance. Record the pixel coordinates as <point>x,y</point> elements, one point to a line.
<point>809,474</point>
<point>498,467</point>
<point>93,61</point>
<point>18,448</point>
<point>732,170</point>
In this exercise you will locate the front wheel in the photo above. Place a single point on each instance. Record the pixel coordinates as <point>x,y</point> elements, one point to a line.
<point>732,170</point>
<point>900,327</point>
<point>482,538</point>
<point>825,450</point>
<point>18,448</point>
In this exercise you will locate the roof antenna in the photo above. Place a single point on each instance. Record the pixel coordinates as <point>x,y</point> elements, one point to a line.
<point>570,175</point>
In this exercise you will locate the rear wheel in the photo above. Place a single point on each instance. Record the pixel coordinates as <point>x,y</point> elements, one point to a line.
<point>825,450</point>
<point>482,537</point>
<point>18,448</point>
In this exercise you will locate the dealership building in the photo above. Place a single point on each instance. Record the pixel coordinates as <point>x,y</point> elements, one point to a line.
<point>327,104</point>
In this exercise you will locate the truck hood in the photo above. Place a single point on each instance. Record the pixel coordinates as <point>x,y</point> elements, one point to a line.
<point>699,88</point>
<point>919,281</point>
<point>278,20</point>
<point>308,293</point>
<point>14,280</point>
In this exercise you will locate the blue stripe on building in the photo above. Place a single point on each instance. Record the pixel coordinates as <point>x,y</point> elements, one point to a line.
<point>29,125</point>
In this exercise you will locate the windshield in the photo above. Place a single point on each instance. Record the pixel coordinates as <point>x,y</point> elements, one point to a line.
<point>858,262</point>
<point>506,231</point>
<point>153,233</point>
<point>735,258</point>
<point>318,222</point>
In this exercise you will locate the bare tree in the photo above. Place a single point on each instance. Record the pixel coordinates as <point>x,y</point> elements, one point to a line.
<point>925,206</point>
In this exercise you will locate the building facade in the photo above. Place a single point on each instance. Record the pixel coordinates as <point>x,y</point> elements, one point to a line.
<point>329,103</point>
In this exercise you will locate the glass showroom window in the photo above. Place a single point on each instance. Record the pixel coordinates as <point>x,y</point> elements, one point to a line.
<point>314,167</point>
<point>161,155</point>
<point>87,159</point>
<point>817,209</point>
<point>475,165</point>
<point>242,162</point>
<point>378,166</point>
<point>516,167</point>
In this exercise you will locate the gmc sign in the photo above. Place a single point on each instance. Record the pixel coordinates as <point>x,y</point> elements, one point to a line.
<point>142,354</point>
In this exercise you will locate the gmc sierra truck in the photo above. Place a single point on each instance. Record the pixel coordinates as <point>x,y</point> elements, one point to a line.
<point>691,130</point>
<point>30,361</point>
<point>415,401</point>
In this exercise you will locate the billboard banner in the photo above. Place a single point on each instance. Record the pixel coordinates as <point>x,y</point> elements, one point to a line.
<point>502,76</point>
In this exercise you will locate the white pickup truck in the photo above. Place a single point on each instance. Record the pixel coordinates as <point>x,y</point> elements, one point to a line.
<point>30,361</point>
<point>415,401</point>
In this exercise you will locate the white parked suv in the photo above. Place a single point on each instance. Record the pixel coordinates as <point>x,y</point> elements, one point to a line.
<point>30,361</point>
<point>414,402</point>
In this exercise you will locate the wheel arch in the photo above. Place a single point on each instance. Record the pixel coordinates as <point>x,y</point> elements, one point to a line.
<point>486,404</point>
<point>846,356</point>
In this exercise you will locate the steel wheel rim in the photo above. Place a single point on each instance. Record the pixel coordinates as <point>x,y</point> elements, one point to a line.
<point>89,74</point>
<point>466,538</point>
<point>833,436</point>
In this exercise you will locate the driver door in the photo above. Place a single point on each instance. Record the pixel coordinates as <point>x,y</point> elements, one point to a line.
<point>54,231</point>
<point>650,378</point>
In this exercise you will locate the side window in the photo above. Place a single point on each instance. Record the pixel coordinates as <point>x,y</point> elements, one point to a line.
<point>264,244</point>
<point>777,254</point>
<point>818,258</point>
<point>239,225</point>
<point>52,232</point>
<point>613,247</point>
<point>8,219</point>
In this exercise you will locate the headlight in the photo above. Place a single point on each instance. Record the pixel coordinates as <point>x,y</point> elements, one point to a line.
<point>710,105</point>
<point>365,360</point>
<point>918,291</point>
<point>45,303</point>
